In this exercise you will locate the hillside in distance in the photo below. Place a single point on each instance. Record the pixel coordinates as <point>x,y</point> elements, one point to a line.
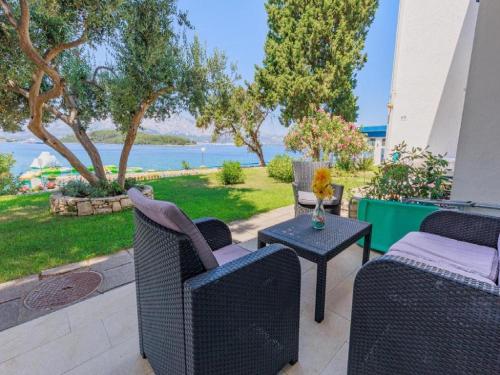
<point>111,136</point>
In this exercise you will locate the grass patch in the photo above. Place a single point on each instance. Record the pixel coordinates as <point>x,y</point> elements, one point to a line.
<point>31,239</point>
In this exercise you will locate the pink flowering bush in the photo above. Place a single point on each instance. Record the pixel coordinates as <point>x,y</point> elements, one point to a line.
<point>323,134</point>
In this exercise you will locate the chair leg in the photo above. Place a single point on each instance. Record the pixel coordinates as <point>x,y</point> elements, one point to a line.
<point>293,362</point>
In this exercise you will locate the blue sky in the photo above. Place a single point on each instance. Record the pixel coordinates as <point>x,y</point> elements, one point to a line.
<point>239,28</point>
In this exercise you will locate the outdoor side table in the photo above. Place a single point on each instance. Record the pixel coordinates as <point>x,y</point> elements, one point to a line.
<point>318,246</point>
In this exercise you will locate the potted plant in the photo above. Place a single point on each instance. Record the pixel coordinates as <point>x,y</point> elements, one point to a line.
<point>408,173</point>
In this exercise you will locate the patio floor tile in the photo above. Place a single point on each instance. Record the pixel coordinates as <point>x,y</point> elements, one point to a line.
<point>23,338</point>
<point>102,306</point>
<point>122,326</point>
<point>62,354</point>
<point>338,365</point>
<point>119,360</point>
<point>318,342</point>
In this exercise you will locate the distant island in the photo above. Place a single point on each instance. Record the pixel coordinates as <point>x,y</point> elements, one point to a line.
<point>111,136</point>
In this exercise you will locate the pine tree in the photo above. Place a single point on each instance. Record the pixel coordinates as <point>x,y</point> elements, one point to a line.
<point>313,51</point>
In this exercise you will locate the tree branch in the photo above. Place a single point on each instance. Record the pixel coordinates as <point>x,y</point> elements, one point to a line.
<point>8,13</point>
<point>27,46</point>
<point>96,71</point>
<point>52,53</point>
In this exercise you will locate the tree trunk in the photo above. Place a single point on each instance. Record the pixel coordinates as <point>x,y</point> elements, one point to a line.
<point>130,139</point>
<point>127,147</point>
<point>135,122</point>
<point>316,154</point>
<point>260,155</point>
<point>93,153</point>
<point>58,146</point>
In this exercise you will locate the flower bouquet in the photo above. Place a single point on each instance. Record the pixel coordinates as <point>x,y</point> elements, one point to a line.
<point>323,190</point>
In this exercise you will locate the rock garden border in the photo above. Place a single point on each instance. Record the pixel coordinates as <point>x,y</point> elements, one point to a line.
<point>72,206</point>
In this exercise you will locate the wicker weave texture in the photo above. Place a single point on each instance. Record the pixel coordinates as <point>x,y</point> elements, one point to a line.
<point>242,317</point>
<point>411,318</point>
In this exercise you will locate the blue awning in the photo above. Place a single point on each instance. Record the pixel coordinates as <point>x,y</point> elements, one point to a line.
<point>374,131</point>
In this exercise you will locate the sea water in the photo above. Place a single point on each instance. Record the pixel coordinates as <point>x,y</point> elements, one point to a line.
<point>157,157</point>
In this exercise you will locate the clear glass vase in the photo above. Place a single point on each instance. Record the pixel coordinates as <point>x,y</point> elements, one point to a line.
<point>319,215</point>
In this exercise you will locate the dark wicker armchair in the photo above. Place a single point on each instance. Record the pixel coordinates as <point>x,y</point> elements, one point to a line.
<point>238,318</point>
<point>411,318</point>
<point>303,173</point>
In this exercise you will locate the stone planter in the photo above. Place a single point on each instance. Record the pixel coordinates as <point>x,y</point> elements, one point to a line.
<point>71,206</point>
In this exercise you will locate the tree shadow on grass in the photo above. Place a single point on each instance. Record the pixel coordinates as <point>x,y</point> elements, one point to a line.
<point>199,196</point>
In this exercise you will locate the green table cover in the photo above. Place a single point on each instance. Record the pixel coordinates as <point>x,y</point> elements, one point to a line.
<point>391,220</point>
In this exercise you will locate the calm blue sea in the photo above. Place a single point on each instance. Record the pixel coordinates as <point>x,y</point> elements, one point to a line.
<point>145,156</point>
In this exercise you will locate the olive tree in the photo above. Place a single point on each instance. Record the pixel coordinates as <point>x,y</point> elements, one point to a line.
<point>47,49</point>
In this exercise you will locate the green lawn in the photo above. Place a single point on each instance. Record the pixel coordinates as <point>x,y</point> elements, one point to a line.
<point>31,239</point>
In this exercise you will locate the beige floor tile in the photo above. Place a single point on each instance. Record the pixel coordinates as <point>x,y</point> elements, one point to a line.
<point>28,336</point>
<point>100,307</point>
<point>122,326</point>
<point>338,365</point>
<point>319,342</point>
<point>62,354</point>
<point>123,359</point>
<point>339,299</point>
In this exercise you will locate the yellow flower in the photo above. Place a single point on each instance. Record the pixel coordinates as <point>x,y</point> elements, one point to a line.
<point>321,185</point>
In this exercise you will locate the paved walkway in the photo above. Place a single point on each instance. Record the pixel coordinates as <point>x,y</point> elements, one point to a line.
<point>117,270</point>
<point>99,335</point>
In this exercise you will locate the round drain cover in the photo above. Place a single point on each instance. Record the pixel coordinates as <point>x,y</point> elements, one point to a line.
<point>63,290</point>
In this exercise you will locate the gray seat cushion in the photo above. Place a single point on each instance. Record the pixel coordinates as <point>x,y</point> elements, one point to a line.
<point>170,216</point>
<point>307,198</point>
<point>229,253</point>
<point>464,258</point>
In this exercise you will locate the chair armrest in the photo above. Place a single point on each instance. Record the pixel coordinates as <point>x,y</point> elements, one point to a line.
<point>439,322</point>
<point>247,309</point>
<point>478,229</point>
<point>339,192</point>
<point>215,232</point>
<point>295,188</point>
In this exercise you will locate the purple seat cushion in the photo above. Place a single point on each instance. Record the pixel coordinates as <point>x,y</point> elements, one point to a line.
<point>170,216</point>
<point>464,258</point>
<point>308,198</point>
<point>229,253</point>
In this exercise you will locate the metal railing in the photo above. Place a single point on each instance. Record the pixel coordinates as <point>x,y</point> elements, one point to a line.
<point>453,204</point>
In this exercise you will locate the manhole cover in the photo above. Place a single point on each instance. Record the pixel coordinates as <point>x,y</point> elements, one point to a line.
<point>63,290</point>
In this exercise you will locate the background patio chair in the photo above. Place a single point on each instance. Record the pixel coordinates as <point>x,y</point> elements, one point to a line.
<point>305,201</point>
<point>231,312</point>
<point>412,315</point>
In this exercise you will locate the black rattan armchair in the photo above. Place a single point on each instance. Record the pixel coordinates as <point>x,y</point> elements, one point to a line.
<point>238,318</point>
<point>303,173</point>
<point>411,318</point>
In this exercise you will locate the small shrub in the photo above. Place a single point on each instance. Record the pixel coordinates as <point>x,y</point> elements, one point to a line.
<point>131,182</point>
<point>231,173</point>
<point>77,188</point>
<point>281,168</point>
<point>347,164</point>
<point>8,184</point>
<point>82,189</point>
<point>365,164</point>
<point>414,173</point>
<point>185,165</point>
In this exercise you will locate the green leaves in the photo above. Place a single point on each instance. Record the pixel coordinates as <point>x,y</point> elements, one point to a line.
<point>313,51</point>
<point>411,173</point>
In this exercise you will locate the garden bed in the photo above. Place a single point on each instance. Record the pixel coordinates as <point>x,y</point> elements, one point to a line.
<point>72,206</point>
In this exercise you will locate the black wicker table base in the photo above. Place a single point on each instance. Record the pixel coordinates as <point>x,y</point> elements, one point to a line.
<point>319,246</point>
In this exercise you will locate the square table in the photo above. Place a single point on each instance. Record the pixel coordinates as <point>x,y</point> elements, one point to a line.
<point>318,246</point>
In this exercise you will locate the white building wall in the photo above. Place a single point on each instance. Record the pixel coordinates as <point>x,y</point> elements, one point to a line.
<point>431,64</point>
<point>477,169</point>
